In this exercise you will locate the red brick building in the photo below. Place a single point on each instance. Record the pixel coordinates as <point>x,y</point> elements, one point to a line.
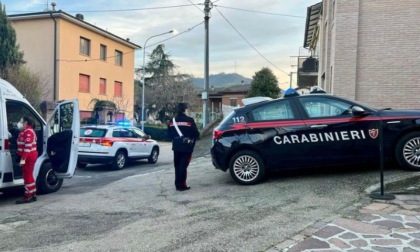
<point>229,96</point>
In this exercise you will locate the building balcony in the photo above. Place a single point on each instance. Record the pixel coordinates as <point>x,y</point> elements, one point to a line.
<point>307,74</point>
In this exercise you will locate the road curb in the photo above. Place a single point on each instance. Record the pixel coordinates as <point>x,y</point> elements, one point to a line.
<point>398,184</point>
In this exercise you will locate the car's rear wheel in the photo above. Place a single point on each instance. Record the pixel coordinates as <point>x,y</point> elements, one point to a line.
<point>47,181</point>
<point>153,156</point>
<point>247,167</point>
<point>408,151</point>
<point>119,161</point>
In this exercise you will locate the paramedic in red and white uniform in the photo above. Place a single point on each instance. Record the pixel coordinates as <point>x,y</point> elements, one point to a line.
<point>26,149</point>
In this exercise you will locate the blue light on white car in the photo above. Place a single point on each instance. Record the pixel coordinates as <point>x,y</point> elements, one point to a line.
<point>124,123</point>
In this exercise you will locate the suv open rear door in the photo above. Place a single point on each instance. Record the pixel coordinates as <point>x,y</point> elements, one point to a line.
<point>62,133</point>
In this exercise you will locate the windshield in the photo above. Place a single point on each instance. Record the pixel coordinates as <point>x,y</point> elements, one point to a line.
<point>362,104</point>
<point>368,106</point>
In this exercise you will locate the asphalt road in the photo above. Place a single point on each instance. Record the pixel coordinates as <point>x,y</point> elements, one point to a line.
<point>138,209</point>
<point>95,176</point>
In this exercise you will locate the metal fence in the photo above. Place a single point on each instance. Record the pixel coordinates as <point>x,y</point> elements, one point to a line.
<point>226,110</point>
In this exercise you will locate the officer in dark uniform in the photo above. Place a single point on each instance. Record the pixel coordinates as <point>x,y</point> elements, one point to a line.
<point>182,157</point>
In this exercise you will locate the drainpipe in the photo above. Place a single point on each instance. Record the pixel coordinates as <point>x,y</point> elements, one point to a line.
<point>55,58</point>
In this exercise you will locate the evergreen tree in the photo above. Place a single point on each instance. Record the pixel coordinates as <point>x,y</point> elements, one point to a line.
<point>163,88</point>
<point>160,66</point>
<point>264,83</point>
<point>9,51</point>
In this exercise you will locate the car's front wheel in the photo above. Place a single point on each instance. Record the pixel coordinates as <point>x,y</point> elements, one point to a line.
<point>408,151</point>
<point>119,161</point>
<point>247,167</point>
<point>153,156</point>
<point>47,181</point>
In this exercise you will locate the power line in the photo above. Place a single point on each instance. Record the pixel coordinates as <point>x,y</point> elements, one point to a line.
<point>125,10</point>
<point>168,7</point>
<point>255,49</point>
<point>196,6</point>
<point>176,35</point>
<point>137,9</point>
<point>261,12</point>
<point>86,60</point>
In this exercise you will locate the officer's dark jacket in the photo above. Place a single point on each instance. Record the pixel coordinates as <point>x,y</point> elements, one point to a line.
<point>186,125</point>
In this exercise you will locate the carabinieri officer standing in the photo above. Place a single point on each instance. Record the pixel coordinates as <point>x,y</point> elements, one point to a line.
<point>182,158</point>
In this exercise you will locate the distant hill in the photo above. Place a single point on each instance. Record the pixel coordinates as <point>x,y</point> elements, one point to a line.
<point>221,80</point>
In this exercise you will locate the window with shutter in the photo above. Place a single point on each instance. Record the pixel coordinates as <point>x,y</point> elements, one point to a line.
<point>84,85</point>
<point>118,89</point>
<point>102,86</point>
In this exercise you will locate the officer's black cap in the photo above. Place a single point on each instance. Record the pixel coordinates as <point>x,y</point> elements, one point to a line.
<point>182,106</point>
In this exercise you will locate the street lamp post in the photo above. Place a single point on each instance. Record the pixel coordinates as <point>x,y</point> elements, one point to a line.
<point>144,73</point>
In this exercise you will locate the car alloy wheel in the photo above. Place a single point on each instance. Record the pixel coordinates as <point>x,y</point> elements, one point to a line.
<point>119,160</point>
<point>154,156</point>
<point>407,151</point>
<point>247,167</point>
<point>411,152</point>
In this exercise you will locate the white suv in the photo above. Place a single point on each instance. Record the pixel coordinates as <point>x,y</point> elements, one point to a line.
<point>115,145</point>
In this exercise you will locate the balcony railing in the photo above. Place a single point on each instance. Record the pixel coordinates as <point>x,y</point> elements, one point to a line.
<point>308,64</point>
<point>307,75</point>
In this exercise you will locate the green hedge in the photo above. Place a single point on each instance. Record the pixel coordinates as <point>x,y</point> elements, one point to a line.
<point>88,120</point>
<point>159,133</point>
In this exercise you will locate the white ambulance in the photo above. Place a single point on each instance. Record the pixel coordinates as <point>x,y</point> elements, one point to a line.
<point>58,140</point>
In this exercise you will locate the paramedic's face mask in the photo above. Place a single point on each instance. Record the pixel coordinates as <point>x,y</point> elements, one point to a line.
<point>21,124</point>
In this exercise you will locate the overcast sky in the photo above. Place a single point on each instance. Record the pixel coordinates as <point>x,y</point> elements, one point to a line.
<point>275,28</point>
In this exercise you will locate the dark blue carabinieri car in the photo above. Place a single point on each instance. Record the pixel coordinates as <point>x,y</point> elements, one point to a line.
<point>312,130</point>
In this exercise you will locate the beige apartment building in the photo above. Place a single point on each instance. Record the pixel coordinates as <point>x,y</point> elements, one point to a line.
<point>367,50</point>
<point>78,61</point>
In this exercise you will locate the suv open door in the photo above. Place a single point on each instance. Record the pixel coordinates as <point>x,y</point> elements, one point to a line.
<point>61,138</point>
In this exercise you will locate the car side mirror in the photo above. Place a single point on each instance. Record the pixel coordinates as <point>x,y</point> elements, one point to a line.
<point>148,136</point>
<point>358,111</point>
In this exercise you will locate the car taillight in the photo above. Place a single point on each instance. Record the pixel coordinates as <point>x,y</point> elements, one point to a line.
<point>217,134</point>
<point>107,143</point>
<point>6,144</point>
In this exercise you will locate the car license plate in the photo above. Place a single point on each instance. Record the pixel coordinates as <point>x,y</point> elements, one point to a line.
<point>84,144</point>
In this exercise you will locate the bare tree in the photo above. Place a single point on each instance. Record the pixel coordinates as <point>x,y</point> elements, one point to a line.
<point>163,88</point>
<point>122,104</point>
<point>161,99</point>
<point>31,85</point>
<point>115,104</point>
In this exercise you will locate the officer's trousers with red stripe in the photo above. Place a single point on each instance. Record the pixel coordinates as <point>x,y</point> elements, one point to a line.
<point>181,162</point>
<point>28,175</point>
